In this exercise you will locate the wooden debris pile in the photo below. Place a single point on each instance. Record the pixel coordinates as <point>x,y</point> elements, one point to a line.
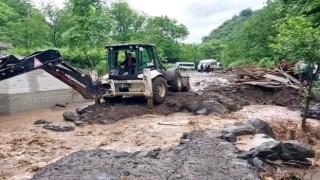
<point>270,78</point>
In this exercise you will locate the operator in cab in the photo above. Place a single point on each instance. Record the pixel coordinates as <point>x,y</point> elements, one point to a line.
<point>129,65</point>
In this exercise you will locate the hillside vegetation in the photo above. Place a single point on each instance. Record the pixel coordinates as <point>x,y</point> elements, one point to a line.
<point>82,28</point>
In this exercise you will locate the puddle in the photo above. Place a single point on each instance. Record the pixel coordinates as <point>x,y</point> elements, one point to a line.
<point>247,142</point>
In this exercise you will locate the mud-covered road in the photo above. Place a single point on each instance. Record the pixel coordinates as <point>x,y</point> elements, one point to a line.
<point>26,148</point>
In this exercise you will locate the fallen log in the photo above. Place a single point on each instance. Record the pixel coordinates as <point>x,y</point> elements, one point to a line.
<point>276,78</point>
<point>261,83</point>
<point>264,85</point>
<point>295,80</point>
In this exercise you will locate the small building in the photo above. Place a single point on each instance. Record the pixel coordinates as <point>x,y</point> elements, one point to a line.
<point>5,45</point>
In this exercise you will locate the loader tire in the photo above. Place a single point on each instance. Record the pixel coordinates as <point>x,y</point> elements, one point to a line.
<point>159,89</point>
<point>176,82</point>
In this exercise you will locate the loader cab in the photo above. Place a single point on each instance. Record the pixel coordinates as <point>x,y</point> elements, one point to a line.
<point>142,56</point>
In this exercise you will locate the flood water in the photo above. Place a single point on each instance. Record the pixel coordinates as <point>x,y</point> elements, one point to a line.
<point>19,120</point>
<point>25,146</point>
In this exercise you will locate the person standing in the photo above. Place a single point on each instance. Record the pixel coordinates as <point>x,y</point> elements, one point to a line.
<point>201,67</point>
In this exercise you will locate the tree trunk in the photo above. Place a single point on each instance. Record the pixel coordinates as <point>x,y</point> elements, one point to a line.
<point>88,58</point>
<point>306,108</point>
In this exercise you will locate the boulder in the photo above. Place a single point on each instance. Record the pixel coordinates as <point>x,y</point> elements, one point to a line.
<point>262,127</point>
<point>154,153</point>
<point>229,103</point>
<point>80,110</point>
<point>294,150</point>
<point>70,116</point>
<point>256,163</point>
<point>142,154</point>
<point>41,121</point>
<point>313,112</point>
<point>202,112</point>
<point>58,128</point>
<point>230,137</point>
<point>240,129</point>
<point>213,106</point>
<point>192,106</point>
<point>251,126</point>
<point>82,122</point>
<point>268,150</point>
<point>175,105</point>
<point>248,154</point>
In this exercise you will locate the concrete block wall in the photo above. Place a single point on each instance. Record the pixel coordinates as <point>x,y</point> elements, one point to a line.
<point>36,89</point>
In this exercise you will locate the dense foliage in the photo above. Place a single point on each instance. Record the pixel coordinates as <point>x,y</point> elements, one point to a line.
<point>260,37</point>
<point>83,27</point>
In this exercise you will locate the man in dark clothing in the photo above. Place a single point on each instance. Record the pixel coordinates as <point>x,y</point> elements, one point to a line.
<point>208,68</point>
<point>129,64</point>
<point>201,67</point>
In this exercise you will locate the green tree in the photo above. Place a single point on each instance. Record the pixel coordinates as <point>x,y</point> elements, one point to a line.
<point>8,15</point>
<point>22,7</point>
<point>129,24</point>
<point>298,39</point>
<point>90,26</point>
<point>29,32</point>
<point>308,8</point>
<point>58,21</point>
<point>227,30</point>
<point>167,34</point>
<point>212,49</point>
<point>190,53</point>
<point>250,44</point>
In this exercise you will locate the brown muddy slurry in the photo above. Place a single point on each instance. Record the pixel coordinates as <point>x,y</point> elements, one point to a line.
<point>117,131</point>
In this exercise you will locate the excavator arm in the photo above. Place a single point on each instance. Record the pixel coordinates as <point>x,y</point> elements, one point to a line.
<point>52,62</point>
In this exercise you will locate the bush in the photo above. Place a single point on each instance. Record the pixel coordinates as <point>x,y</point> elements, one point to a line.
<point>266,62</point>
<point>21,51</point>
<point>238,63</point>
<point>76,58</point>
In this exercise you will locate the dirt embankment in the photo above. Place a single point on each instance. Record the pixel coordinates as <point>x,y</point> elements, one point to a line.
<point>228,96</point>
<point>200,155</point>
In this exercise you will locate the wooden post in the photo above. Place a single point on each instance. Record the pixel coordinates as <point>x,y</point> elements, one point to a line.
<point>150,102</point>
<point>148,86</point>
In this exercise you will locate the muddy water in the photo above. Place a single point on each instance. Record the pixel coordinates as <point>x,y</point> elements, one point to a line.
<point>25,147</point>
<point>247,142</point>
<point>274,115</point>
<point>20,120</point>
<point>199,81</point>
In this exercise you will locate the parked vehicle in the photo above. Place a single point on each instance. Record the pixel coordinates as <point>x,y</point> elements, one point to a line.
<point>211,62</point>
<point>185,65</point>
<point>219,65</point>
<point>206,62</point>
